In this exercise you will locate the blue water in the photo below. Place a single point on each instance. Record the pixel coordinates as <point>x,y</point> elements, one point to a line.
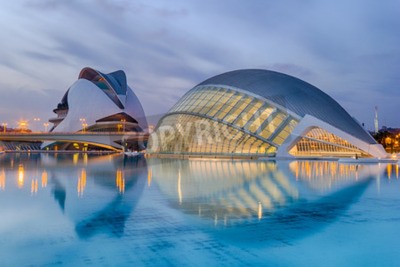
<point>114,210</point>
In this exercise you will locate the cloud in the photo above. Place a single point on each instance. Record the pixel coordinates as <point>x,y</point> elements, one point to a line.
<point>345,48</point>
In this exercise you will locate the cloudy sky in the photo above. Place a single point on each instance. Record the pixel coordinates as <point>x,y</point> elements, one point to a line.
<point>349,49</point>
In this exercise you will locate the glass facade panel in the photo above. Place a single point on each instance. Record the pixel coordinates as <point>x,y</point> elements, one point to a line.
<point>319,142</point>
<point>248,113</point>
<point>182,133</point>
<point>285,132</point>
<point>238,108</point>
<point>270,127</point>
<point>220,103</point>
<point>268,110</point>
<point>217,120</point>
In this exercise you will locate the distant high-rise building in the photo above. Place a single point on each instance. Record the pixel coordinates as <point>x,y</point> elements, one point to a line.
<point>376,120</point>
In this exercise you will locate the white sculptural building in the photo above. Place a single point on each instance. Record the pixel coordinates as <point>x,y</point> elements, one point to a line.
<point>97,102</point>
<point>261,113</point>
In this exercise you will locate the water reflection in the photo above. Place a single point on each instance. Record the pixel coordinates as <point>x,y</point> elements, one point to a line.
<point>249,201</point>
<point>326,175</point>
<point>97,193</point>
<point>243,201</point>
<point>114,183</point>
<point>392,170</point>
<point>21,175</point>
<point>2,180</point>
<point>222,189</point>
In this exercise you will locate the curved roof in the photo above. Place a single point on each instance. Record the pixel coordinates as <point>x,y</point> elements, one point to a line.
<point>296,95</point>
<point>113,84</point>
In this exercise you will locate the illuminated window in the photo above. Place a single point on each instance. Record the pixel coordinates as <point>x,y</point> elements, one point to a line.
<point>319,142</point>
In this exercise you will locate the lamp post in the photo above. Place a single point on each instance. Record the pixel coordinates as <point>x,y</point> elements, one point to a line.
<point>84,124</point>
<point>46,124</point>
<point>36,120</point>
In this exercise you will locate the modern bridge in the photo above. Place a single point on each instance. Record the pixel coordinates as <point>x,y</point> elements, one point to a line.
<point>109,140</point>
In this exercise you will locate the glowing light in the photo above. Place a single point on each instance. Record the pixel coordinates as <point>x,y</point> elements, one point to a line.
<point>4,126</point>
<point>75,158</point>
<point>85,159</point>
<point>44,179</point>
<point>81,182</point>
<point>179,187</point>
<point>46,124</point>
<point>34,186</point>
<point>149,176</point>
<point>123,124</point>
<point>84,124</point>
<point>259,213</point>
<point>2,180</point>
<point>324,174</point>
<point>120,181</point>
<point>389,170</point>
<point>23,125</point>
<point>21,176</point>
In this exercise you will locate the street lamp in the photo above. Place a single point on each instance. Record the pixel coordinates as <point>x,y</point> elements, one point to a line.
<point>84,124</point>
<point>36,120</point>
<point>23,125</point>
<point>46,124</point>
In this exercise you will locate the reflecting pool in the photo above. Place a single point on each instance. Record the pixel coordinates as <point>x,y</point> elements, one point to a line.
<point>79,209</point>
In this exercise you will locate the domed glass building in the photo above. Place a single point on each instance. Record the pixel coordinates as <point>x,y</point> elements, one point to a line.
<point>257,112</point>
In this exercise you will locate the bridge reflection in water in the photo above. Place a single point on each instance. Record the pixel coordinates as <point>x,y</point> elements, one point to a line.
<point>249,201</point>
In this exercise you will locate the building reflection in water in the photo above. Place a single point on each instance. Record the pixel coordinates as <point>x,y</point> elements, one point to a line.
<point>97,193</point>
<point>283,200</point>
<point>224,189</point>
<point>392,171</point>
<point>323,175</point>
<point>241,200</point>
<point>120,181</point>
<point>108,190</point>
<point>81,182</point>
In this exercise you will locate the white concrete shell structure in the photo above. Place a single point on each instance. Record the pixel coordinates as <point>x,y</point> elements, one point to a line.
<point>260,113</point>
<point>98,102</point>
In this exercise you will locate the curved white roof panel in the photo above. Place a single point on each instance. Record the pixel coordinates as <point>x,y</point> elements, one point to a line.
<point>84,99</point>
